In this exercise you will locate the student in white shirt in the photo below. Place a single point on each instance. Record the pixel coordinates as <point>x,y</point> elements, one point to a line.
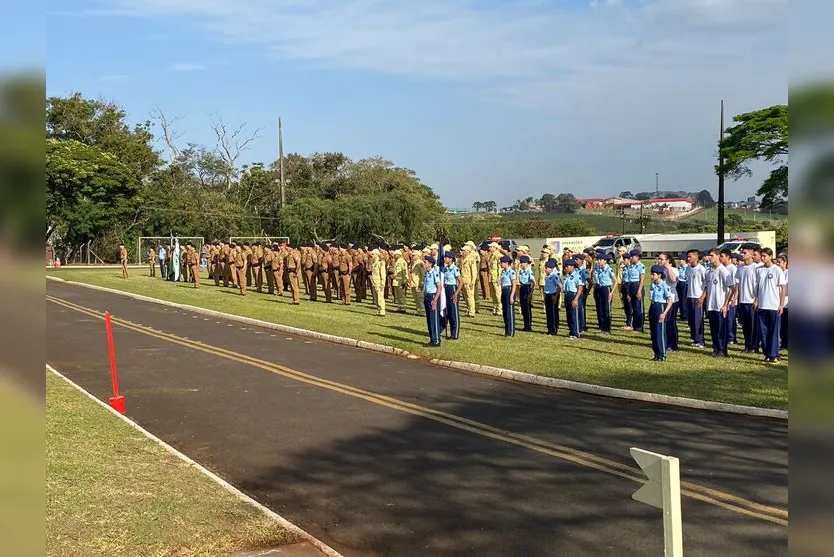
<point>771,290</point>
<point>782,261</point>
<point>718,285</point>
<point>696,275</point>
<point>745,294</point>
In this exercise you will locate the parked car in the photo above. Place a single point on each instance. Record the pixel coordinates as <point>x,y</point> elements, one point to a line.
<point>735,245</point>
<point>612,244</point>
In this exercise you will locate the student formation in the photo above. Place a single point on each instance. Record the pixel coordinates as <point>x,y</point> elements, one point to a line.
<point>723,290</point>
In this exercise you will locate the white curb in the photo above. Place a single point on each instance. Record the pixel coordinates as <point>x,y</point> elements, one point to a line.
<point>283,522</point>
<point>509,374</point>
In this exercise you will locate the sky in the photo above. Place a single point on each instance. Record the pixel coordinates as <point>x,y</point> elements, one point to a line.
<point>485,100</point>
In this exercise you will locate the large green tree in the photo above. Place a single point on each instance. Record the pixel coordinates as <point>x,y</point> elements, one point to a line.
<point>759,135</point>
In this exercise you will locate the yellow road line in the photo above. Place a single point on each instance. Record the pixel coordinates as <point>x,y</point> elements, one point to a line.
<point>695,491</point>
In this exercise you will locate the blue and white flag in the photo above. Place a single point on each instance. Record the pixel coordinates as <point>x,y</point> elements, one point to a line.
<point>175,259</point>
<point>441,303</point>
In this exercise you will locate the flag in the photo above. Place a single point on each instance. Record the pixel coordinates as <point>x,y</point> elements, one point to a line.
<point>441,302</point>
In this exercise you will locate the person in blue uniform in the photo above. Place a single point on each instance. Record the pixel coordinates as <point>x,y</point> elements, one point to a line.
<point>624,263</point>
<point>680,286</point>
<point>431,294</point>
<point>552,286</point>
<point>636,284</point>
<point>581,268</point>
<point>526,281</point>
<point>573,287</point>
<point>603,291</point>
<point>509,287</point>
<point>452,284</point>
<point>661,304</point>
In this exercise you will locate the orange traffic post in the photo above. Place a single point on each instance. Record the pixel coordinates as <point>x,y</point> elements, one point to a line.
<point>116,401</point>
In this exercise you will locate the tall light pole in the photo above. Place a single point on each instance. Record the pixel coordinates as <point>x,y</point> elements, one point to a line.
<point>657,184</point>
<point>721,179</point>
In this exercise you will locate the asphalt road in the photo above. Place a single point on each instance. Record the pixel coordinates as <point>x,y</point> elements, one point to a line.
<point>382,455</point>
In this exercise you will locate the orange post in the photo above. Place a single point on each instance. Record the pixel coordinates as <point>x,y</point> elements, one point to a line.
<point>116,401</point>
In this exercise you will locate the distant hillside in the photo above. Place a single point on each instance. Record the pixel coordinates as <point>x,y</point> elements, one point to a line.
<point>703,198</point>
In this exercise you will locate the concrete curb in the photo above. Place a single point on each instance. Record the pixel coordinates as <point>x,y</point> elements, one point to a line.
<point>283,522</point>
<point>509,374</point>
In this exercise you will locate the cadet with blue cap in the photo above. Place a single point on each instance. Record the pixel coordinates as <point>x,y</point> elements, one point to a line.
<point>552,285</point>
<point>431,294</point>
<point>624,287</point>
<point>603,278</point>
<point>680,286</point>
<point>573,287</point>
<point>636,284</point>
<point>526,280</point>
<point>661,302</point>
<point>582,270</point>
<point>509,285</point>
<point>452,284</point>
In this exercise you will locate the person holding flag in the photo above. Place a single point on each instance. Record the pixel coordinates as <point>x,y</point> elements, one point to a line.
<point>432,291</point>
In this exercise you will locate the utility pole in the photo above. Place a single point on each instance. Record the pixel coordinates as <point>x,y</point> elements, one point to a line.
<point>721,179</point>
<point>281,163</point>
<point>642,225</point>
<point>657,184</point>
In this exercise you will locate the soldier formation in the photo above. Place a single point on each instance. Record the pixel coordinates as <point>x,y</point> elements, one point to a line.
<point>721,289</point>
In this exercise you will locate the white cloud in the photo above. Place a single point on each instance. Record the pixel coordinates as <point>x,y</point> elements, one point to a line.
<point>187,67</point>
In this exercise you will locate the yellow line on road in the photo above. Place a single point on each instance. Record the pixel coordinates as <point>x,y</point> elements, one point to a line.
<point>695,491</point>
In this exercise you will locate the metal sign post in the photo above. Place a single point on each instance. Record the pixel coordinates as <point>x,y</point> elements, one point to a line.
<point>663,490</point>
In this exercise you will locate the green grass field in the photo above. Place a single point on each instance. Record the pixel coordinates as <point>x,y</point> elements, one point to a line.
<point>711,215</point>
<point>620,360</point>
<point>112,491</point>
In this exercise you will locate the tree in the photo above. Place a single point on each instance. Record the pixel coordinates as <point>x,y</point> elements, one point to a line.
<point>704,199</point>
<point>643,196</point>
<point>759,135</point>
<point>627,195</point>
<point>548,203</point>
<point>477,206</point>
<point>86,190</point>
<point>490,206</point>
<point>734,221</point>
<point>566,203</point>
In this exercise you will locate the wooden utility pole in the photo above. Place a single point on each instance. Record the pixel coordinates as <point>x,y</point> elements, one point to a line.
<point>281,163</point>
<point>721,180</point>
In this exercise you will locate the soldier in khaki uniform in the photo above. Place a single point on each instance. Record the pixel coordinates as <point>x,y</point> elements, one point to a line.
<point>469,275</point>
<point>324,271</point>
<point>415,281</point>
<point>495,277</point>
<point>359,273</point>
<point>335,275</point>
<point>240,264</point>
<point>278,268</point>
<point>399,279</point>
<point>231,269</point>
<point>152,261</point>
<point>378,276</point>
<point>345,270</point>
<point>309,264</point>
<point>123,259</point>
<point>483,269</point>
<point>267,269</point>
<point>194,263</point>
<point>292,267</point>
<point>544,255</point>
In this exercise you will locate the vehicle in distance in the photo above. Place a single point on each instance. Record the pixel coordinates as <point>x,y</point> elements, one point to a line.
<point>612,244</point>
<point>735,245</point>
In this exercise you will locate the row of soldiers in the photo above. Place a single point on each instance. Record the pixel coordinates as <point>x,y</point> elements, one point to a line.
<point>346,273</point>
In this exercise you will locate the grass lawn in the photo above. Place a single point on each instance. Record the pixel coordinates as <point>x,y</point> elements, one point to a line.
<point>620,360</point>
<point>112,491</point>
<point>711,215</point>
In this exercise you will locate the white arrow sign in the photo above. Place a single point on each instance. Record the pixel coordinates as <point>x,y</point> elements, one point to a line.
<point>663,490</point>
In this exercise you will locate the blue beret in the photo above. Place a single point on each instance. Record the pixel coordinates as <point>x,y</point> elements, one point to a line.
<point>602,255</point>
<point>634,252</point>
<point>355,246</point>
<point>550,264</point>
<point>449,254</point>
<point>569,261</point>
<point>658,269</point>
<point>506,259</point>
<point>682,255</point>
<point>524,259</point>
<point>429,259</point>
<point>735,256</point>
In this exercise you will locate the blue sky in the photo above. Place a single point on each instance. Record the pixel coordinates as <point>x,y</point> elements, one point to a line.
<point>484,99</point>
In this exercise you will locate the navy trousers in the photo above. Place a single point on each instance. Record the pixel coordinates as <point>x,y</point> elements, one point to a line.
<point>747,320</point>
<point>624,289</point>
<point>732,325</point>
<point>551,311</point>
<point>769,331</point>
<point>452,318</point>
<point>583,309</point>
<point>718,330</point>
<point>783,330</point>
<point>601,294</point>
<point>637,317</point>
<point>696,320</point>
<point>432,319</point>
<point>526,301</point>
<point>672,327</point>
<point>680,287</point>
<point>508,311</point>
<point>572,314</point>
<point>657,328</point>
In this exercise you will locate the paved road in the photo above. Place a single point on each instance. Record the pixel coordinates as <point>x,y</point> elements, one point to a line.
<point>380,455</point>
